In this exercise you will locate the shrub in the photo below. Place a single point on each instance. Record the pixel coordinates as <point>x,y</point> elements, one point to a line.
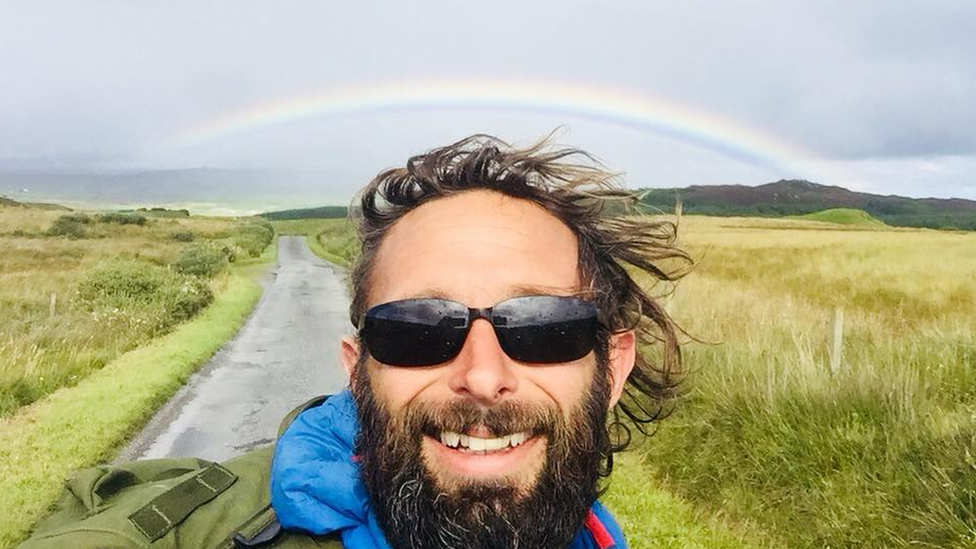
<point>143,294</point>
<point>78,218</point>
<point>120,218</point>
<point>183,236</point>
<point>254,237</point>
<point>201,260</point>
<point>70,225</point>
<point>230,251</point>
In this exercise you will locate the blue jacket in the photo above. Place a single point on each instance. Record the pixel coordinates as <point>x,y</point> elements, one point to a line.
<point>315,483</point>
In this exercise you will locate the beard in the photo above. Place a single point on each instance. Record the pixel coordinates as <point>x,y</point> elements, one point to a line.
<point>416,511</point>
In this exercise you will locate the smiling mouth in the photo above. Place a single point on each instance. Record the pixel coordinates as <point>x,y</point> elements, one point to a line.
<point>469,443</point>
<point>480,452</point>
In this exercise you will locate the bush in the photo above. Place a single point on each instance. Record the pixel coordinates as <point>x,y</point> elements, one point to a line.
<point>120,218</point>
<point>183,236</point>
<point>142,294</point>
<point>254,237</point>
<point>77,217</point>
<point>70,225</point>
<point>230,251</point>
<point>201,260</point>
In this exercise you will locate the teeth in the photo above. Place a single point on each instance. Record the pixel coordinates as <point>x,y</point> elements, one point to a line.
<point>450,439</point>
<point>495,443</point>
<point>478,444</point>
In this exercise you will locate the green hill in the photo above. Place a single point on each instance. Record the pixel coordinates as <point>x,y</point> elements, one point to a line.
<point>844,216</point>
<point>10,203</point>
<point>323,212</point>
<point>799,197</point>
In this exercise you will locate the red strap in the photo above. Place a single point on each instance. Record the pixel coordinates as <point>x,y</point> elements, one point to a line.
<point>599,532</point>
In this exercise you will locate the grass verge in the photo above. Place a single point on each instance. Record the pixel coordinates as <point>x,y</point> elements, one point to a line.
<point>85,424</point>
<point>653,518</point>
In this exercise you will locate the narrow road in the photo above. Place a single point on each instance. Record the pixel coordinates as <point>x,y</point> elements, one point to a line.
<point>286,353</point>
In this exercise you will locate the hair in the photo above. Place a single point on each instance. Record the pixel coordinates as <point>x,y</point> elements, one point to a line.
<point>571,185</point>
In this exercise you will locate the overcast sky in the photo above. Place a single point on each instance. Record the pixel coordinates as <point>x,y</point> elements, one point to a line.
<point>873,95</point>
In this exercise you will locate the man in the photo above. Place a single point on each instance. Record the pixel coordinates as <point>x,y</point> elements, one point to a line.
<point>496,329</point>
<point>496,333</point>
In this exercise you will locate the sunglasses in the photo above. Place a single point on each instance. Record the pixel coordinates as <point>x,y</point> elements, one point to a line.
<point>423,332</point>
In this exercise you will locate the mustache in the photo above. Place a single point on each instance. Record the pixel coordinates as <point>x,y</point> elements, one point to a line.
<point>502,419</point>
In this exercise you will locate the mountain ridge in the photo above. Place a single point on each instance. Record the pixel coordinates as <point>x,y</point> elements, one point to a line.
<point>788,197</point>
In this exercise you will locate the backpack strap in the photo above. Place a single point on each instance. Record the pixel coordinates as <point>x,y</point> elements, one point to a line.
<point>170,508</point>
<point>260,530</point>
<point>312,403</point>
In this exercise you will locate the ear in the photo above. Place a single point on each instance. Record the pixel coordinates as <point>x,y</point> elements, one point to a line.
<point>623,355</point>
<point>349,354</point>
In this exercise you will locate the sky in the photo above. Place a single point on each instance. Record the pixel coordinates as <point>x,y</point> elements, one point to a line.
<point>875,96</point>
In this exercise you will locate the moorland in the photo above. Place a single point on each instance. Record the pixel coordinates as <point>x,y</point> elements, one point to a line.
<point>768,446</point>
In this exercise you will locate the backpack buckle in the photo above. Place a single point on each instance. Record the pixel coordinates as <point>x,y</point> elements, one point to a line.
<point>261,538</point>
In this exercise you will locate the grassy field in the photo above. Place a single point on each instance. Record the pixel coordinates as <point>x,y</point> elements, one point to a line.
<point>130,296</point>
<point>879,454</point>
<point>73,428</point>
<point>77,290</point>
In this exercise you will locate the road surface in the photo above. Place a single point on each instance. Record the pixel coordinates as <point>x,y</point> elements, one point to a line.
<point>286,353</point>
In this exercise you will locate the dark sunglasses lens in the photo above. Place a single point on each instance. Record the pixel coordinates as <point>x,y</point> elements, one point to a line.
<point>546,329</point>
<point>415,332</point>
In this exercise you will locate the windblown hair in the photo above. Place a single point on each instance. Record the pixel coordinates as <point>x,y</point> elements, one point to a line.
<point>571,185</point>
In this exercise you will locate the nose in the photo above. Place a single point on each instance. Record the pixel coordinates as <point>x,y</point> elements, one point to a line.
<point>482,370</point>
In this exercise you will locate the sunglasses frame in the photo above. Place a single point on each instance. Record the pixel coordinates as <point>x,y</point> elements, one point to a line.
<point>456,328</point>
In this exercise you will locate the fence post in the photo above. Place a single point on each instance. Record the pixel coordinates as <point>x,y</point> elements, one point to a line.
<point>54,304</point>
<point>836,340</point>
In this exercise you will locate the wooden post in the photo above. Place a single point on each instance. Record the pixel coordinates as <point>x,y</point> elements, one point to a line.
<point>836,340</point>
<point>54,304</point>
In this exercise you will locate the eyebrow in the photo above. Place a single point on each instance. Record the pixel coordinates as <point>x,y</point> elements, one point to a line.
<point>516,291</point>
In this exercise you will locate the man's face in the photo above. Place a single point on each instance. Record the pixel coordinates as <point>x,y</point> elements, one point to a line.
<point>480,248</point>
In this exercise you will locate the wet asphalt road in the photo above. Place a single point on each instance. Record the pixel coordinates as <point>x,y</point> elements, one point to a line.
<point>286,353</point>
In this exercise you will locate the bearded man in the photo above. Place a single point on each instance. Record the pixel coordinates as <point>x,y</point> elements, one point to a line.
<point>496,328</point>
<point>495,351</point>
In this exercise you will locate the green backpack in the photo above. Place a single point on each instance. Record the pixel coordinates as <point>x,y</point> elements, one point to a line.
<point>174,504</point>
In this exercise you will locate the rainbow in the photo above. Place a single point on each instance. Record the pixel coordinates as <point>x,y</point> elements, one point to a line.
<point>641,112</point>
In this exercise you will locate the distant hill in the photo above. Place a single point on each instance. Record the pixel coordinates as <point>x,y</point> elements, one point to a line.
<point>799,197</point>
<point>4,201</point>
<point>219,191</point>
<point>845,216</point>
<point>323,212</point>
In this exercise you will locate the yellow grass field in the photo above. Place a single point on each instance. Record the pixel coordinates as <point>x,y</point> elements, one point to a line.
<point>40,352</point>
<point>768,447</point>
<point>878,454</point>
<point>767,439</point>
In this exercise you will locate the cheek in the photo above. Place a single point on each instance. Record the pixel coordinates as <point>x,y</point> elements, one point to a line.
<point>398,387</point>
<point>564,384</point>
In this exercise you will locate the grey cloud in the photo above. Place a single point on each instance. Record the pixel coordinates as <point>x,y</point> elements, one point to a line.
<point>847,80</point>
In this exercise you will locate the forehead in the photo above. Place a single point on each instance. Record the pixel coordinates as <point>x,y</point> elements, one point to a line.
<point>477,247</point>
